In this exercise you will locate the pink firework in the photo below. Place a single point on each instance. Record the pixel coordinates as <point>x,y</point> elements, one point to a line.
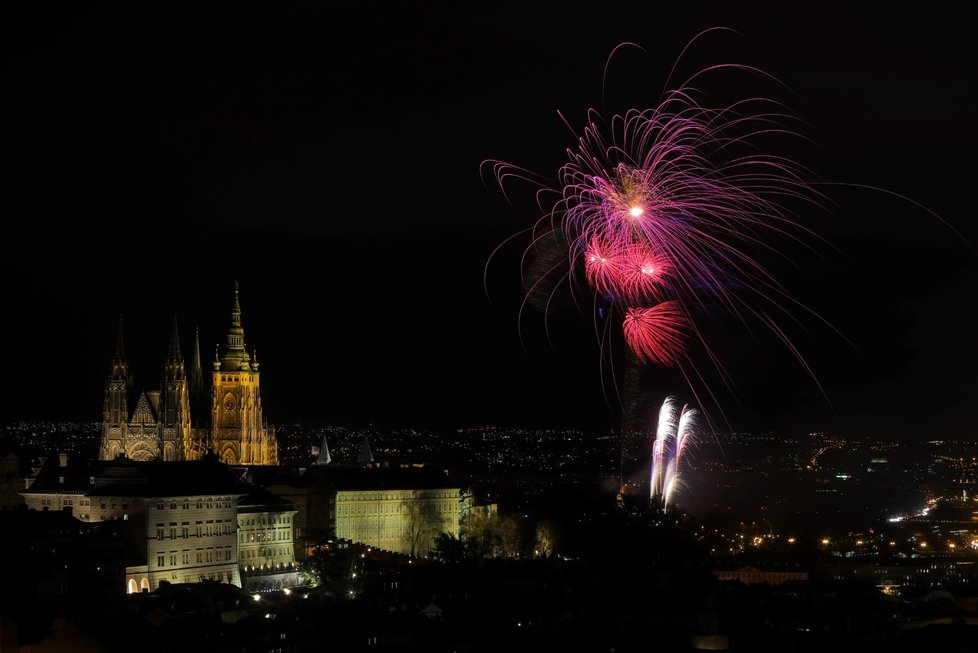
<point>666,209</point>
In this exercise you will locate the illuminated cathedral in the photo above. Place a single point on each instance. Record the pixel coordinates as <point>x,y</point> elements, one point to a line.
<point>182,420</point>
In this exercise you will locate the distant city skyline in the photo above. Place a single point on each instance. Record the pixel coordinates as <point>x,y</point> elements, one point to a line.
<point>334,173</point>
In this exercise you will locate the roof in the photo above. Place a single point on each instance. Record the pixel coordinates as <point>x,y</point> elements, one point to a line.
<point>127,478</point>
<point>355,477</point>
<point>261,500</point>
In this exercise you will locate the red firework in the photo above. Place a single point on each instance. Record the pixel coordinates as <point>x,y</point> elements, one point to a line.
<point>656,334</point>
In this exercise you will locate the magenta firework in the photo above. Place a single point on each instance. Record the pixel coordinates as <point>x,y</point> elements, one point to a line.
<point>668,213</point>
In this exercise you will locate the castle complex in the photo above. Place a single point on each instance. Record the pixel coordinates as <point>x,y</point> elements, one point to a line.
<point>182,420</point>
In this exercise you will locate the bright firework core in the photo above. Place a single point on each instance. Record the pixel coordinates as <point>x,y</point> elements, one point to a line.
<point>636,211</point>
<point>672,436</point>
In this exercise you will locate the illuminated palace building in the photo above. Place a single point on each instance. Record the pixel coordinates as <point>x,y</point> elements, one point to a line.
<point>170,424</point>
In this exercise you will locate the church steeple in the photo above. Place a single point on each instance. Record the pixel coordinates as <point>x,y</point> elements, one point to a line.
<point>199,410</point>
<point>120,345</point>
<point>119,365</point>
<point>175,367</point>
<point>196,371</point>
<point>175,354</point>
<point>235,356</point>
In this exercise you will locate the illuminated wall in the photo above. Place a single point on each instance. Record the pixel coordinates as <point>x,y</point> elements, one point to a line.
<point>402,521</point>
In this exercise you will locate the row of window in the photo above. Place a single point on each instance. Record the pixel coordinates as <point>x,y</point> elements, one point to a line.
<point>200,529</point>
<point>82,503</point>
<point>267,521</point>
<point>209,504</point>
<point>202,556</point>
<point>264,552</point>
<point>236,379</point>
<point>401,495</point>
<point>266,536</point>
<point>390,509</point>
<point>363,531</point>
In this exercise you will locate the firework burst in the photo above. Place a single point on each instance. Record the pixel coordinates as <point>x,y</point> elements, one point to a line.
<point>665,210</point>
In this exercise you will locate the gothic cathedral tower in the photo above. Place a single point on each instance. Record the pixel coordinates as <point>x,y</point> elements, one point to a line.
<point>175,404</point>
<point>115,410</point>
<point>239,435</point>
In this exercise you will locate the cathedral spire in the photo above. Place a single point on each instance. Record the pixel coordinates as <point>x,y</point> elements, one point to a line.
<point>119,365</point>
<point>235,356</point>
<point>175,367</point>
<point>175,341</point>
<point>120,345</point>
<point>198,397</point>
<point>196,371</point>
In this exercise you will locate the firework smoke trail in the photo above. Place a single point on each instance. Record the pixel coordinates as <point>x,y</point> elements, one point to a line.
<point>674,431</point>
<point>665,209</point>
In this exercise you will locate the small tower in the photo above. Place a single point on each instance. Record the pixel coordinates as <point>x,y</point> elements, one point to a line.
<point>324,457</point>
<point>366,455</point>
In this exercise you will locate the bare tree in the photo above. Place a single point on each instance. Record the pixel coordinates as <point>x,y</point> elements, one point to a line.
<point>423,521</point>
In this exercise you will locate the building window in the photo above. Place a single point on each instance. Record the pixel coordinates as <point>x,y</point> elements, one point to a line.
<point>160,560</point>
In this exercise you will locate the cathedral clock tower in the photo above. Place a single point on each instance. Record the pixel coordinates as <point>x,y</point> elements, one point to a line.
<point>239,434</point>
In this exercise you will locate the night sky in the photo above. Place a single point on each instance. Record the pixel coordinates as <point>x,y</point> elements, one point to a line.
<point>327,157</point>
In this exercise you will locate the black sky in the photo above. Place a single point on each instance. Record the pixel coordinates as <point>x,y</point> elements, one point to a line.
<point>327,156</point>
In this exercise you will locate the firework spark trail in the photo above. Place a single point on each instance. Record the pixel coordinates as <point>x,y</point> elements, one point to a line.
<point>684,432</point>
<point>665,432</point>
<point>675,430</point>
